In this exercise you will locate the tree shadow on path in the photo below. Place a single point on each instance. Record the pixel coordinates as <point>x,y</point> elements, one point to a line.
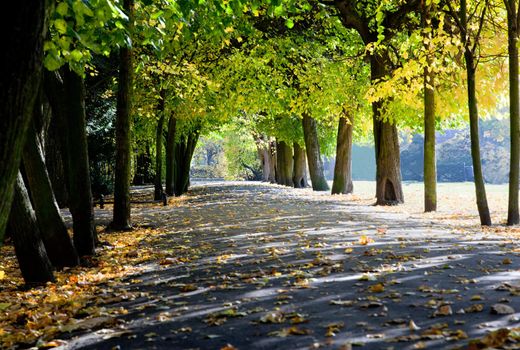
<point>264,267</point>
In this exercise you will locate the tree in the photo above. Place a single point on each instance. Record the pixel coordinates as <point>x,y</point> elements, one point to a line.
<point>342,183</point>
<point>158,192</point>
<point>20,77</point>
<point>121,217</point>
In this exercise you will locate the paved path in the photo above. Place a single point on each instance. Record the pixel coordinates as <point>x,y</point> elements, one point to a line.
<point>264,267</point>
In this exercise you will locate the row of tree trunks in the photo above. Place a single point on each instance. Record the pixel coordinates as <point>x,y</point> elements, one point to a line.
<point>53,230</point>
<point>267,157</point>
<point>184,150</point>
<point>299,176</point>
<point>158,188</point>
<point>170,156</point>
<point>20,77</point>
<point>342,183</point>
<point>121,215</point>
<point>284,166</point>
<point>312,147</point>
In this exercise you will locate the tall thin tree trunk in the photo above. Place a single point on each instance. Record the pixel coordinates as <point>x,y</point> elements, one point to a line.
<point>471,67</point>
<point>158,150</point>
<point>20,75</point>
<point>312,147</point>
<point>299,160</point>
<point>389,189</point>
<point>513,217</point>
<point>183,155</point>
<point>272,155</point>
<point>430,164</point>
<point>55,161</point>
<point>121,218</point>
<point>170,156</point>
<point>32,258</point>
<point>57,242</point>
<point>343,167</point>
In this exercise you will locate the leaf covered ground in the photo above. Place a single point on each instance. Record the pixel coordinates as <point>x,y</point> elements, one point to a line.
<point>256,266</point>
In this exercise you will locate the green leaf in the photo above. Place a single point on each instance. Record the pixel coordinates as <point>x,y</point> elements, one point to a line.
<point>60,25</point>
<point>289,23</point>
<point>62,8</point>
<point>76,55</point>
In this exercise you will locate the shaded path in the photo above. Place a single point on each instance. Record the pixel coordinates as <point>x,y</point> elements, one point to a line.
<point>265,267</point>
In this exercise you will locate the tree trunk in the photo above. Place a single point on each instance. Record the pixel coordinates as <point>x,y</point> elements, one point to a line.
<point>312,146</point>
<point>158,150</point>
<point>273,161</point>
<point>284,160</point>
<point>343,168</point>
<point>430,164</point>
<point>32,258</point>
<point>170,156</point>
<point>299,161</point>
<point>183,155</point>
<point>471,67</point>
<point>386,142</point>
<point>20,76</point>
<point>121,217</point>
<point>55,161</point>
<point>57,242</point>
<point>263,149</point>
<point>513,217</point>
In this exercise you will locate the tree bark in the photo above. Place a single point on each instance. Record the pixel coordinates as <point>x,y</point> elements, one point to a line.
<point>20,75</point>
<point>342,183</point>
<point>54,233</point>
<point>273,161</point>
<point>170,156</point>
<point>32,258</point>
<point>121,215</point>
<point>386,141</point>
<point>80,194</point>
<point>56,163</point>
<point>284,160</point>
<point>513,217</point>
<point>299,161</point>
<point>430,164</point>
<point>471,67</point>
<point>263,149</point>
<point>312,146</point>
<point>158,150</point>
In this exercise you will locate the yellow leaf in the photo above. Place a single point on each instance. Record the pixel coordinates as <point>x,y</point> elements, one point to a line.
<point>364,240</point>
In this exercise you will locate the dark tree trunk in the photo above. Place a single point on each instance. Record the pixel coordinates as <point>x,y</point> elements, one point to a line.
<point>284,160</point>
<point>67,98</point>
<point>342,183</point>
<point>158,150</point>
<point>57,242</point>
<point>513,217</point>
<point>20,75</point>
<point>170,156</point>
<point>299,171</point>
<point>121,218</point>
<point>312,146</point>
<point>32,258</point>
<point>56,163</point>
<point>183,155</point>
<point>471,67</point>
<point>80,194</point>
<point>430,164</point>
<point>389,189</point>
<point>273,161</point>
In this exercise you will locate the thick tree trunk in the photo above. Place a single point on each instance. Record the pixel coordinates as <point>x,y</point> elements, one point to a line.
<point>121,218</point>
<point>389,189</point>
<point>20,75</point>
<point>284,160</point>
<point>513,217</point>
<point>32,258</point>
<point>430,164</point>
<point>299,171</point>
<point>80,194</point>
<point>263,149</point>
<point>170,156</point>
<point>158,150</point>
<point>57,242</point>
<point>183,155</point>
<point>342,183</point>
<point>312,146</point>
